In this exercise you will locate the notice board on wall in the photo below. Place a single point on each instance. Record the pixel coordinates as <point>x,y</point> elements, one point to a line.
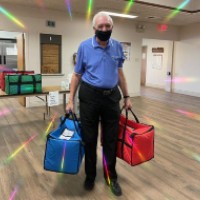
<point>157,62</point>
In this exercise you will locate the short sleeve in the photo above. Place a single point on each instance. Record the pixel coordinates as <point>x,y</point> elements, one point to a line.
<point>121,56</point>
<point>79,67</point>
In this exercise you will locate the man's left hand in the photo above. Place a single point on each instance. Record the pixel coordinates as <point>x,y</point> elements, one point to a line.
<point>127,103</point>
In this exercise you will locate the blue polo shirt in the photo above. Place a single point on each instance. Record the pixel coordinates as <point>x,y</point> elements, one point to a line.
<point>97,65</point>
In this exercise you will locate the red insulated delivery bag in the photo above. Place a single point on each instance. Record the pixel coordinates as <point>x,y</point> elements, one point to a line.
<point>135,143</point>
<point>4,73</point>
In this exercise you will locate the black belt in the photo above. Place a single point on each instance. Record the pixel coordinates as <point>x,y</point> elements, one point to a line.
<point>104,91</point>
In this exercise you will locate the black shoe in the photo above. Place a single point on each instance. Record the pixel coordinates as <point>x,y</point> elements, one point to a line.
<point>88,184</point>
<point>115,187</point>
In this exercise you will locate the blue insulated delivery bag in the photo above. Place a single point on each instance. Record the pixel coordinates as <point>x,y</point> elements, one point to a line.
<point>64,147</point>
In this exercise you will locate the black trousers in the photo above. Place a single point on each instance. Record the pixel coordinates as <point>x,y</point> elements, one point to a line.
<point>98,104</point>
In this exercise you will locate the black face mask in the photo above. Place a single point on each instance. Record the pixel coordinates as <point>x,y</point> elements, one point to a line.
<point>103,35</point>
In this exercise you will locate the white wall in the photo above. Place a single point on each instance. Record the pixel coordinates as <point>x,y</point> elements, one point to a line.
<point>187,61</point>
<point>155,76</point>
<point>73,32</point>
<point>9,35</point>
<point>195,5</point>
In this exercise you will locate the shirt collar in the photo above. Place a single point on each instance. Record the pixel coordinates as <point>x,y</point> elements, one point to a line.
<point>95,44</point>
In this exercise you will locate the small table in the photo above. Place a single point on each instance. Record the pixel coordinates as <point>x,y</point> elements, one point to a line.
<point>45,92</point>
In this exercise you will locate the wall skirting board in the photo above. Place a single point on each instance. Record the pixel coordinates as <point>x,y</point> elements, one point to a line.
<point>185,92</point>
<point>135,94</point>
<point>155,86</point>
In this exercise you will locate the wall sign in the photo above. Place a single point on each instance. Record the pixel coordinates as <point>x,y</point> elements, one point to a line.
<point>157,50</point>
<point>157,61</point>
<point>126,46</point>
<point>53,99</point>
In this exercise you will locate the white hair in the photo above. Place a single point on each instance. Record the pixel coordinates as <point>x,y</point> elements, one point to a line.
<point>101,14</point>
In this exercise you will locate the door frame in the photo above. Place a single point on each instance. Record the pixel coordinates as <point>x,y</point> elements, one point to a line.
<point>143,66</point>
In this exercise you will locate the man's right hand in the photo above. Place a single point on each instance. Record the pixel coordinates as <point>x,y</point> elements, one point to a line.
<point>70,107</point>
<point>73,87</point>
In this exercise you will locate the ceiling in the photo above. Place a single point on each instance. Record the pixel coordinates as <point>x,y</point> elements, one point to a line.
<point>154,11</point>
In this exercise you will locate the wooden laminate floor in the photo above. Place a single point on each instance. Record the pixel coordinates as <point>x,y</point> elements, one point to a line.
<point>174,173</point>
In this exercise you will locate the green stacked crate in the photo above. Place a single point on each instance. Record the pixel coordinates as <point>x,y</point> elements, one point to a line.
<point>23,84</point>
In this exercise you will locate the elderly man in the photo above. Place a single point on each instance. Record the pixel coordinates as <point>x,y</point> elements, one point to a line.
<point>99,69</point>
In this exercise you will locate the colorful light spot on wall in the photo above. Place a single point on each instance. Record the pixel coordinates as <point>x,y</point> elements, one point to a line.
<point>11,17</point>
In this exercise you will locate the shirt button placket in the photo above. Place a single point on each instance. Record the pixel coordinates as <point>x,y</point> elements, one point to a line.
<point>104,55</point>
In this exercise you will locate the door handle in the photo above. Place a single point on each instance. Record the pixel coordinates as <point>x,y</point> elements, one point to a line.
<point>0,60</point>
<point>169,73</point>
<point>4,60</point>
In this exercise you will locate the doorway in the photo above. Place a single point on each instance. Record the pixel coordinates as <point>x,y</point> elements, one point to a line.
<point>8,53</point>
<point>12,54</point>
<point>157,64</point>
<point>9,50</point>
<point>144,66</point>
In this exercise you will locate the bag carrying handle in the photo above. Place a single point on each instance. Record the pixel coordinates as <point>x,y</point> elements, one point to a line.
<point>74,118</point>
<point>62,121</point>
<point>134,115</point>
<point>125,125</point>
